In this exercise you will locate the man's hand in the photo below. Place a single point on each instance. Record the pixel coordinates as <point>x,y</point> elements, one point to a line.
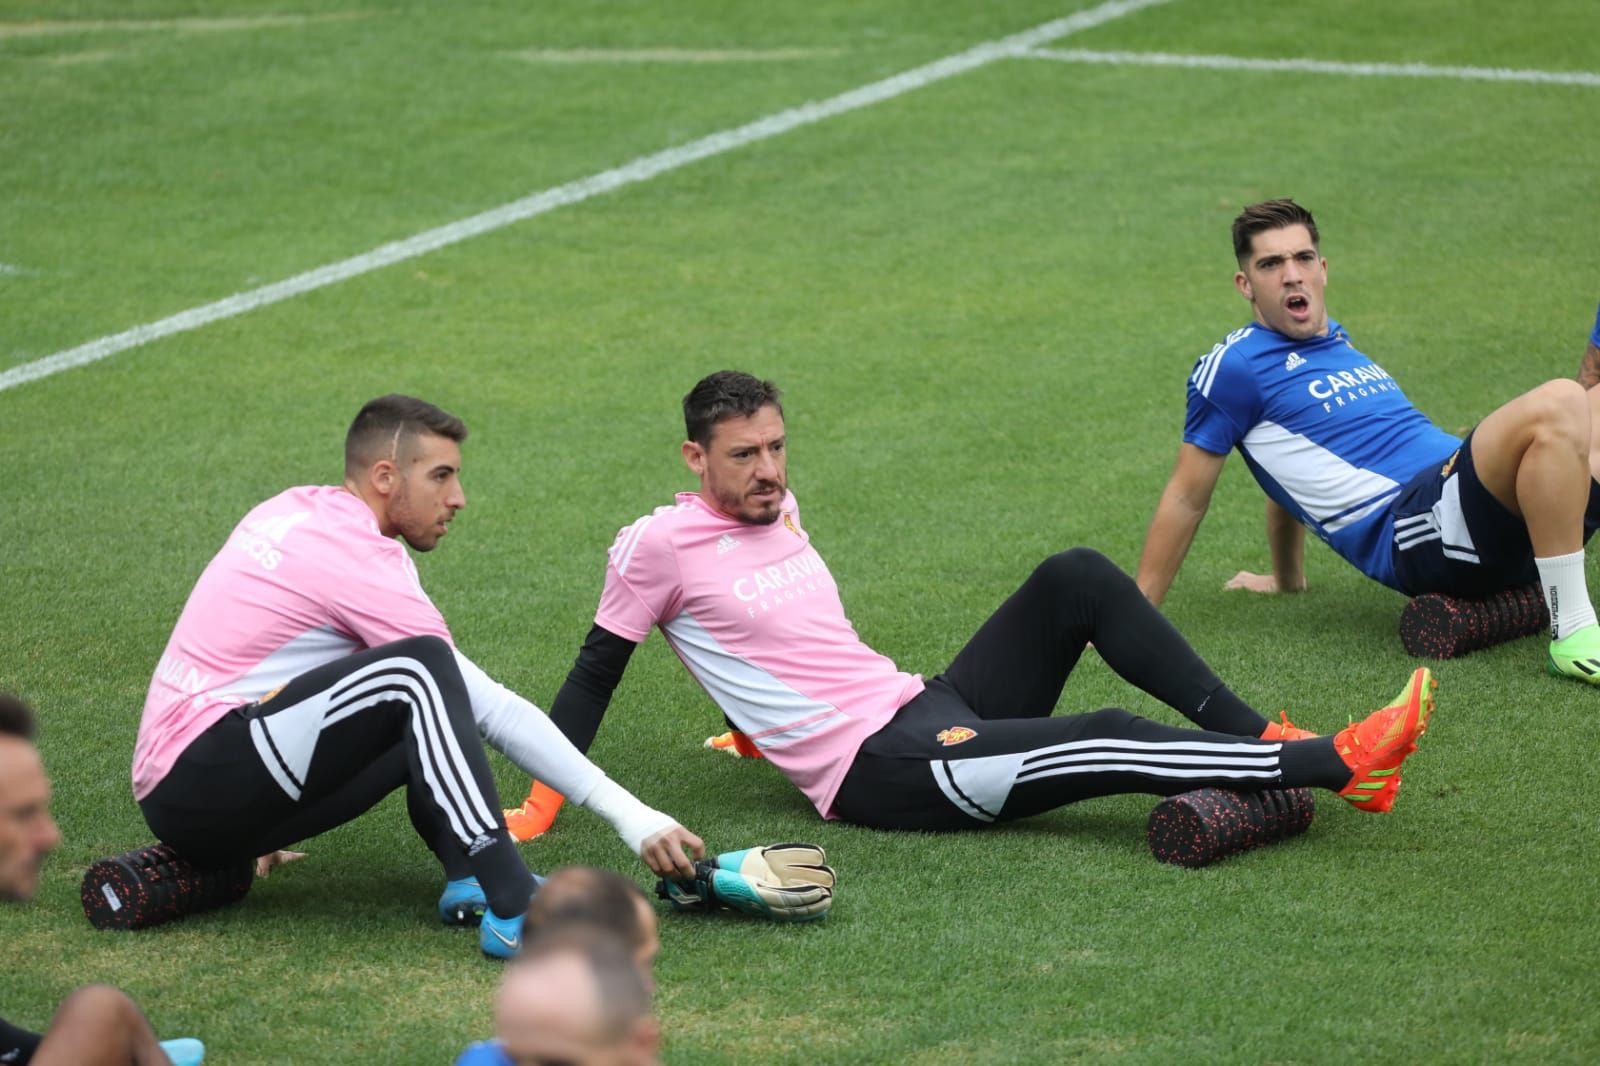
<point>1264,583</point>
<point>665,854</point>
<point>265,863</point>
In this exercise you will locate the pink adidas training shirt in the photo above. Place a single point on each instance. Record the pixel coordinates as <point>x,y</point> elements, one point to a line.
<point>754,614</point>
<point>304,579</point>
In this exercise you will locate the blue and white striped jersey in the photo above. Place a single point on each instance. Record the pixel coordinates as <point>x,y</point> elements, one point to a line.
<point>1326,431</point>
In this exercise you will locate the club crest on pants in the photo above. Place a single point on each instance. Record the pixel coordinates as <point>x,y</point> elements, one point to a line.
<point>956,734</point>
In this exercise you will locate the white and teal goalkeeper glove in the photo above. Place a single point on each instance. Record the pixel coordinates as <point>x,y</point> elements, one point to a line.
<point>782,883</point>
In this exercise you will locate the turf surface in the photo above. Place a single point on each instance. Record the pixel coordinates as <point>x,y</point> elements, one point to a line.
<point>982,297</point>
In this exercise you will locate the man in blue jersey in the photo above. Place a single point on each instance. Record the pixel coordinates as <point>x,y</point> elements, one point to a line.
<point>1339,450</point>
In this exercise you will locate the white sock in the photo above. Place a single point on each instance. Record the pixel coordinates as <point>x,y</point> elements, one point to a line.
<point>1565,593</point>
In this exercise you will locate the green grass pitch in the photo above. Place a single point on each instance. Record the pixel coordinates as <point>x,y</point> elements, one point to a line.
<point>982,297</point>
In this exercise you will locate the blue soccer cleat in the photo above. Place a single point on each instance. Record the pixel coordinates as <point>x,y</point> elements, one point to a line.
<point>184,1051</point>
<point>500,938</point>
<point>462,902</point>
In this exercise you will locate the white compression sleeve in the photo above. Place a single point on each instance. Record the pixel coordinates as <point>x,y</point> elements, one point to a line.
<point>525,735</point>
<point>634,822</point>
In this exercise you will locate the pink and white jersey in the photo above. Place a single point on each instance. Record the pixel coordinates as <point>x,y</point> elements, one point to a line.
<point>754,614</point>
<point>304,579</point>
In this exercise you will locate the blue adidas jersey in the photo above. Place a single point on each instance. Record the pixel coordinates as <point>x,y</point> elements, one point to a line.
<point>1326,431</point>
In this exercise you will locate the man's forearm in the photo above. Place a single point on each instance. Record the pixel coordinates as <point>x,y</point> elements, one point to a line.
<point>1286,540</point>
<point>1166,544</point>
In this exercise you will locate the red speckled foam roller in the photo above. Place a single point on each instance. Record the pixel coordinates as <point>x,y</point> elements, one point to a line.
<point>1200,827</point>
<point>1442,627</point>
<point>151,885</point>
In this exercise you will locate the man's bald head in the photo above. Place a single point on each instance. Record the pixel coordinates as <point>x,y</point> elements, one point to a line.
<point>575,996</point>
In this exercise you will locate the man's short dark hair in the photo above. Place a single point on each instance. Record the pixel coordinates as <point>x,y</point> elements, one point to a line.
<point>725,394</point>
<point>16,718</point>
<point>384,426</point>
<point>1268,215</point>
<point>586,895</point>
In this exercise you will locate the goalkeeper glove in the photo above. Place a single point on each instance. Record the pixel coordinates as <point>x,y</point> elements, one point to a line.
<point>782,883</point>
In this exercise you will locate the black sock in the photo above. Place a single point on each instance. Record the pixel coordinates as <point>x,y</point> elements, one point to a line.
<point>505,879</point>
<point>1313,763</point>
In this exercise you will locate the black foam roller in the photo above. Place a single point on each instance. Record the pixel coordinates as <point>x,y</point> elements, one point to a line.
<point>1197,828</point>
<point>152,885</point>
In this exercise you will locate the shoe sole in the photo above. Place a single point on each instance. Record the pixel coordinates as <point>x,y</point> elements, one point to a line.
<point>1586,675</point>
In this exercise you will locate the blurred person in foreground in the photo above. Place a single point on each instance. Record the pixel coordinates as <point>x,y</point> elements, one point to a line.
<point>97,1025</point>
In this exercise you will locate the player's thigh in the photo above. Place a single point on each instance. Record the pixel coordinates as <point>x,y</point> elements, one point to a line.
<point>1017,662</point>
<point>939,766</point>
<point>1453,536</point>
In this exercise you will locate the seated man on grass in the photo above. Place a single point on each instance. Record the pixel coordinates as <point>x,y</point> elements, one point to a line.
<point>730,576</point>
<point>1340,450</point>
<point>309,676</point>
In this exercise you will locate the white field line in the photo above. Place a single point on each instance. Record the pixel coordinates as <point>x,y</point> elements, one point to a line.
<point>1318,66</point>
<point>183,25</point>
<point>641,169</point>
<point>669,55</point>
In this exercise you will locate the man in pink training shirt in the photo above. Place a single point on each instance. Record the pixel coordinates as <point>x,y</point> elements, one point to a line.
<point>731,578</point>
<point>309,676</point>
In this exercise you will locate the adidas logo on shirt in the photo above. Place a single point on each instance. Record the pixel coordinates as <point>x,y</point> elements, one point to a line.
<point>726,544</point>
<point>1293,361</point>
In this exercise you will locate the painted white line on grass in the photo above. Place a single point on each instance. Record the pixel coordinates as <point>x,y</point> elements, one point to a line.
<point>669,55</point>
<point>641,169</point>
<point>7,268</point>
<point>1319,66</point>
<point>192,25</point>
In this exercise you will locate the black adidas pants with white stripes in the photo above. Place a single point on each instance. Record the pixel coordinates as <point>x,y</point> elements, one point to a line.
<point>328,747</point>
<point>980,744</point>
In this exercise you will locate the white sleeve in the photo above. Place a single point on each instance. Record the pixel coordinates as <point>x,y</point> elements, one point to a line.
<point>524,734</point>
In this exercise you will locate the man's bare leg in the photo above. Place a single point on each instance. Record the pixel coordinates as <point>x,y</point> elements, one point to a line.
<point>99,1026</point>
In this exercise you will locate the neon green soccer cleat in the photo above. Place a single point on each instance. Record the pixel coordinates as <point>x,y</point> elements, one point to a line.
<point>1576,655</point>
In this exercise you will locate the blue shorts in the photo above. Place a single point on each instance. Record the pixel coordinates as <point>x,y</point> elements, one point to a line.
<point>1452,536</point>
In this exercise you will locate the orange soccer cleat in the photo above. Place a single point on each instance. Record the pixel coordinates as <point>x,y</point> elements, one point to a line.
<point>734,743</point>
<point>536,814</point>
<point>1375,747</point>
<point>1286,730</point>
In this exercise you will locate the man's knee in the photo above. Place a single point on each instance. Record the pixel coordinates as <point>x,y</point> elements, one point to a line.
<point>1561,406</point>
<point>434,654</point>
<point>1076,567</point>
<point>101,1007</point>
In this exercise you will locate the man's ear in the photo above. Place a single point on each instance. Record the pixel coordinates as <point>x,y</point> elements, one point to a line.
<point>383,476</point>
<point>1242,283</point>
<point>695,456</point>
